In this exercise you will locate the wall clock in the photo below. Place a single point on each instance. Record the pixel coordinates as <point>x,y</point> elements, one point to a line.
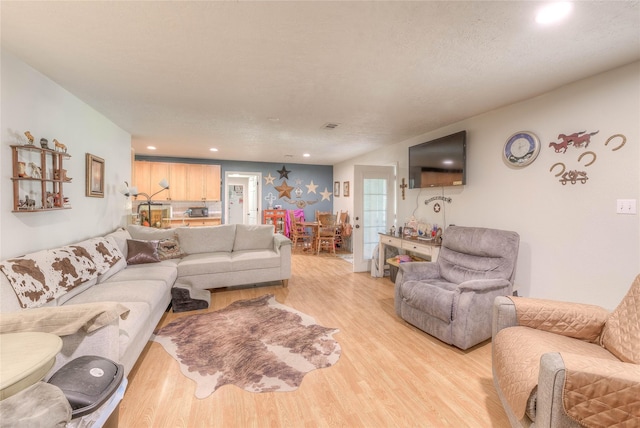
<point>521,149</point>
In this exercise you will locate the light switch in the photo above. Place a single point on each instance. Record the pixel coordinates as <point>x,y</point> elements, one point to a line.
<point>626,206</point>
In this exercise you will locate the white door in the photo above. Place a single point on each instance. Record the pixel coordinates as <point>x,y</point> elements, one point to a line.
<point>242,205</point>
<point>374,211</point>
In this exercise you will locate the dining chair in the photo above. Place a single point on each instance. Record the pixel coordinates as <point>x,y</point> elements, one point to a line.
<point>299,234</point>
<point>326,237</point>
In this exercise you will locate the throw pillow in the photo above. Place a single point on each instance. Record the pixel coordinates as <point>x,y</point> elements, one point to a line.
<point>621,333</point>
<point>140,252</point>
<point>169,248</point>
<point>40,277</point>
<point>102,251</point>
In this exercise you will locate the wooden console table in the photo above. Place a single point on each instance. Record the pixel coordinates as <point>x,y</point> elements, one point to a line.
<point>427,249</point>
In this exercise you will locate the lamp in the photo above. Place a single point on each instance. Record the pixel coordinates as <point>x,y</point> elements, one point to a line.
<point>133,191</point>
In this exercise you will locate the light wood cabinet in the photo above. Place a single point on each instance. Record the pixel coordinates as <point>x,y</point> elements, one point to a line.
<point>159,171</point>
<point>195,177</point>
<point>187,182</point>
<point>212,182</point>
<point>39,175</point>
<point>142,176</point>
<point>178,181</point>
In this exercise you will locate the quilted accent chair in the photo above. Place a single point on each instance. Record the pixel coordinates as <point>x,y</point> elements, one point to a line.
<point>559,364</point>
<point>452,298</point>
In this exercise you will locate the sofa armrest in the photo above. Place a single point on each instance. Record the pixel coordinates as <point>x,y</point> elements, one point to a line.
<point>63,320</point>
<point>577,320</point>
<point>280,240</point>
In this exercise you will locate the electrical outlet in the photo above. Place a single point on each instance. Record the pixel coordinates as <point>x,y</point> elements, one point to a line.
<point>626,206</point>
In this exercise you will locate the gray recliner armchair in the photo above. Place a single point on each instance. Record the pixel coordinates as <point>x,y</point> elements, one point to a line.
<point>452,298</point>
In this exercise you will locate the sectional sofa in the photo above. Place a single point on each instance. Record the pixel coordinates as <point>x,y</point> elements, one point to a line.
<point>104,296</point>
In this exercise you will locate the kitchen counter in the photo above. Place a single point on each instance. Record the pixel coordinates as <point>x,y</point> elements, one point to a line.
<point>194,221</point>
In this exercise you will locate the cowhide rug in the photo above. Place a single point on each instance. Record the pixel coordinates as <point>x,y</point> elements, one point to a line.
<point>259,345</point>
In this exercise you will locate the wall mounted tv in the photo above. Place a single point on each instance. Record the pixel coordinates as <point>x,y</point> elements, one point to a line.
<point>440,162</point>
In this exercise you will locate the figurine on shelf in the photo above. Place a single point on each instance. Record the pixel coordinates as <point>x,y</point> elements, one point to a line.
<point>22,169</point>
<point>59,146</point>
<point>36,172</point>
<point>30,204</point>
<point>44,143</point>
<point>50,199</point>
<point>29,138</point>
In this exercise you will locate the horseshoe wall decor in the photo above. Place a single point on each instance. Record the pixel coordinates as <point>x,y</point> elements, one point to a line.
<point>624,140</point>
<point>555,165</point>
<point>587,153</point>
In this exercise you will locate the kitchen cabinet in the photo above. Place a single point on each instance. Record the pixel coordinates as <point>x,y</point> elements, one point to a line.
<point>187,182</point>
<point>212,182</point>
<point>178,181</point>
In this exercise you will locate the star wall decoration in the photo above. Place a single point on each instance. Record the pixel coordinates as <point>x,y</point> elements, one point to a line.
<point>269,179</point>
<point>311,188</point>
<point>325,195</point>
<point>283,172</point>
<point>284,189</point>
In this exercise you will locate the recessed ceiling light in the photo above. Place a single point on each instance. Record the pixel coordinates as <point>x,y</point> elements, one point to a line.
<point>213,149</point>
<point>553,12</point>
<point>151,147</point>
<point>306,155</point>
<point>447,162</point>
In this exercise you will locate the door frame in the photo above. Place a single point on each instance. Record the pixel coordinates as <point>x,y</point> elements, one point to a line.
<point>362,262</point>
<point>257,201</point>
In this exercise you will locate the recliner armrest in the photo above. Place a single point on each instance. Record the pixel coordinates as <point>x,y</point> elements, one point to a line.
<point>416,271</point>
<point>477,285</point>
<point>574,388</point>
<point>504,314</point>
<point>577,320</point>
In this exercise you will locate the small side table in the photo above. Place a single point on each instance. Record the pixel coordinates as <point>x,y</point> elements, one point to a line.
<point>25,358</point>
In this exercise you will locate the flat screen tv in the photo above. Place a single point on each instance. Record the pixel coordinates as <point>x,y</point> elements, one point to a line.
<point>440,162</point>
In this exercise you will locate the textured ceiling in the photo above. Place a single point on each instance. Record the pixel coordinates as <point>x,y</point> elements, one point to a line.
<point>259,80</point>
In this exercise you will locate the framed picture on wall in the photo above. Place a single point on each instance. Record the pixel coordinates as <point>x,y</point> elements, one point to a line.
<point>345,191</point>
<point>95,176</point>
<point>336,188</point>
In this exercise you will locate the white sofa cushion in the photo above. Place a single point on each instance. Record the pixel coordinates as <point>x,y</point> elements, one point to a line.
<point>204,263</point>
<point>254,259</point>
<point>253,237</point>
<point>207,239</point>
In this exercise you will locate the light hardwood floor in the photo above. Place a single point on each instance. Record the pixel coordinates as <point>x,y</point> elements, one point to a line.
<point>390,374</point>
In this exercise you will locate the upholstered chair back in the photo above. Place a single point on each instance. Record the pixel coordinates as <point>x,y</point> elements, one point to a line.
<point>477,253</point>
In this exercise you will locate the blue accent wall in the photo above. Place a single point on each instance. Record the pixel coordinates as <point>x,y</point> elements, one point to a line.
<point>308,182</point>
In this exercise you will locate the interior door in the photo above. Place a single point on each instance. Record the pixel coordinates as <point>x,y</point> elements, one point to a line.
<point>374,211</point>
<point>251,204</point>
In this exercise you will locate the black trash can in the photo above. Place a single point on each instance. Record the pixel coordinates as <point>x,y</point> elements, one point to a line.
<point>88,382</point>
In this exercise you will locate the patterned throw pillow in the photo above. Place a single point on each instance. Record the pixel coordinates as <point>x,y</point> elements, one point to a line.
<point>40,277</point>
<point>103,252</point>
<point>169,248</point>
<point>140,252</point>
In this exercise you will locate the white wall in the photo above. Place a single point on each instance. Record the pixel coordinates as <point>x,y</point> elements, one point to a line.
<point>32,102</point>
<point>573,245</point>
